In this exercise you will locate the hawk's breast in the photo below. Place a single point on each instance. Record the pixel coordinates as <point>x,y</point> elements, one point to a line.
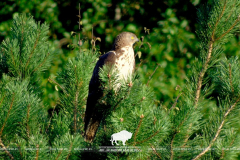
<point>125,62</point>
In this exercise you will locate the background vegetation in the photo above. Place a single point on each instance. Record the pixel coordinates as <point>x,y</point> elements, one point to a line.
<point>200,113</point>
<point>169,27</point>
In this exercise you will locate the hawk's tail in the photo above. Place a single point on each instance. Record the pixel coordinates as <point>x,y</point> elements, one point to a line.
<point>91,130</point>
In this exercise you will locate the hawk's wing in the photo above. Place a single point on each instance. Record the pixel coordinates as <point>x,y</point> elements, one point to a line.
<point>92,115</point>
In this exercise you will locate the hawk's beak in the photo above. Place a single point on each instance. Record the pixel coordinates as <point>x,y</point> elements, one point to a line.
<point>137,40</point>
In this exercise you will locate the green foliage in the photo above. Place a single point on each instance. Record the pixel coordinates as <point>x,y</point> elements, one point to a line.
<point>203,117</point>
<point>17,99</point>
<point>173,47</point>
<point>26,53</point>
<point>227,75</point>
<point>74,144</point>
<point>42,10</point>
<point>133,111</point>
<point>24,124</point>
<point>172,35</point>
<point>75,79</point>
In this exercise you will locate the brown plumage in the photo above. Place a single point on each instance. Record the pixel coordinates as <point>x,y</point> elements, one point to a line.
<point>122,56</point>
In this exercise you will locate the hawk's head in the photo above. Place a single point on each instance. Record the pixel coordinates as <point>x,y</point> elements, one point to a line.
<point>124,39</point>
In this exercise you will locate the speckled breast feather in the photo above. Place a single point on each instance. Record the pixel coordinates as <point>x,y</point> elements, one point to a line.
<point>125,62</point>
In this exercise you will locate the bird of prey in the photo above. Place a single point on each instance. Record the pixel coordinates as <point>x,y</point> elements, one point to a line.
<point>122,58</point>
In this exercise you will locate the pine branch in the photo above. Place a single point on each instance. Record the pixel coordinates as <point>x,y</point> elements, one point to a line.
<point>40,65</point>
<point>69,153</point>
<point>5,149</point>
<point>2,100</point>
<point>175,133</point>
<point>209,54</point>
<point>37,152</point>
<point>35,45</point>
<point>231,12</point>
<point>187,136</point>
<point>142,99</point>
<point>202,73</point>
<point>21,42</point>
<point>14,63</point>
<point>76,101</point>
<point>20,152</point>
<point>232,141</point>
<point>139,124</point>
<point>223,154</point>
<point>154,150</point>
<point>213,39</point>
<point>224,34</point>
<point>75,111</point>
<point>137,148</point>
<point>121,99</point>
<point>219,18</point>
<point>116,105</point>
<point>230,77</point>
<point>218,131</point>
<point>26,48</point>
<point>172,153</point>
<point>145,140</point>
<point>50,119</point>
<point>7,116</point>
<point>59,155</point>
<point>28,129</point>
<point>109,79</point>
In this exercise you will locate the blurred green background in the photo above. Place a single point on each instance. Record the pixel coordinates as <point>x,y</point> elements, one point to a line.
<point>166,27</point>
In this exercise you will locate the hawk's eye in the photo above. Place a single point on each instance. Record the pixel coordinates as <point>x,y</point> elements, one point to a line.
<point>132,37</point>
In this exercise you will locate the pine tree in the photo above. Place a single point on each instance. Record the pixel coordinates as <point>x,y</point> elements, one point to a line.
<point>23,58</point>
<point>201,123</point>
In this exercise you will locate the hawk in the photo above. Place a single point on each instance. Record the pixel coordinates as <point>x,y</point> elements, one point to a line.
<point>122,58</point>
